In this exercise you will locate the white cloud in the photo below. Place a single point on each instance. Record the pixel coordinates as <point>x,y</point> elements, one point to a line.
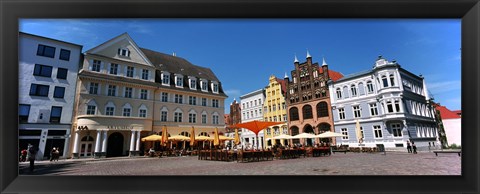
<point>233,93</point>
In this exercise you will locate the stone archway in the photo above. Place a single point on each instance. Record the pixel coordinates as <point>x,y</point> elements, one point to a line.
<point>115,145</point>
<point>294,131</point>
<point>322,128</point>
<point>308,129</point>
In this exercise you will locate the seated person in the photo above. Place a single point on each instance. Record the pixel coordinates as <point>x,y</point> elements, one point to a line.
<point>151,152</point>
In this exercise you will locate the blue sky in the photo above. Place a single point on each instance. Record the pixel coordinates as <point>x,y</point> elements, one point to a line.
<point>243,53</point>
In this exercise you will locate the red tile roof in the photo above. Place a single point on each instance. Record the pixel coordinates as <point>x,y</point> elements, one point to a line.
<point>445,113</point>
<point>332,74</point>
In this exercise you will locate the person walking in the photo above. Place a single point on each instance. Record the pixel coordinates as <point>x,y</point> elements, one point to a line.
<point>24,155</point>
<point>409,147</point>
<point>414,147</point>
<point>31,156</point>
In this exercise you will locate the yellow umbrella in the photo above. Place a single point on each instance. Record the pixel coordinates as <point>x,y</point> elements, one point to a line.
<point>203,138</point>
<point>192,137</point>
<point>237,138</point>
<point>216,140</point>
<point>164,135</point>
<point>224,138</point>
<point>179,138</point>
<point>153,137</point>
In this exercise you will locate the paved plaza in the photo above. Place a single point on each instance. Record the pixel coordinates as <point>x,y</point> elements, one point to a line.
<point>391,163</point>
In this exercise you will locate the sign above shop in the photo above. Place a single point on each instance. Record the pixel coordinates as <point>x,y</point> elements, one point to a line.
<point>119,127</point>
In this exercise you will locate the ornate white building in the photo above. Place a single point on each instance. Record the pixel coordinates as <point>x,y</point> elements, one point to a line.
<point>391,105</point>
<point>46,92</point>
<point>252,106</point>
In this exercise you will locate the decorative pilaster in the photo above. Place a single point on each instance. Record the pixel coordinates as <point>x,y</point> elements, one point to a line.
<point>104,143</point>
<point>132,143</point>
<point>137,149</point>
<point>75,145</point>
<point>97,144</point>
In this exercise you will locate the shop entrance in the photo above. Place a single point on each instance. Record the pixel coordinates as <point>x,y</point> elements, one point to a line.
<point>308,129</point>
<point>115,145</point>
<point>86,146</point>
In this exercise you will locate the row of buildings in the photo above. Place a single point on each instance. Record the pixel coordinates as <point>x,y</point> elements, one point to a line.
<point>388,104</point>
<point>102,102</point>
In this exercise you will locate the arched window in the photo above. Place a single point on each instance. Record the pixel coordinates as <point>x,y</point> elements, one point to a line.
<point>353,90</point>
<point>392,80</point>
<point>294,114</point>
<point>87,138</point>
<point>295,131</point>
<point>345,91</point>
<point>184,133</point>
<point>361,89</point>
<point>322,109</point>
<point>369,87</point>
<point>307,112</point>
<point>204,134</point>
<point>385,81</point>
<point>339,93</point>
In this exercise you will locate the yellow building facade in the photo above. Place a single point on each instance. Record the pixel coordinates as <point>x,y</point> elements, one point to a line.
<point>275,110</point>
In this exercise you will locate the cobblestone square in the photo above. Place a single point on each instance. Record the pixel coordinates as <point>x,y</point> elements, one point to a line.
<point>391,163</point>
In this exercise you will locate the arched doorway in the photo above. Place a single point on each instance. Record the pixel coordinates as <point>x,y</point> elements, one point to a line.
<point>308,129</point>
<point>322,128</point>
<point>115,145</point>
<point>86,146</point>
<point>294,131</point>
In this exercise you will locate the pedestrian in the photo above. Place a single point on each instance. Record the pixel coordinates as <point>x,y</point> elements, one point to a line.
<point>57,154</point>
<point>409,147</point>
<point>414,147</point>
<point>52,154</point>
<point>24,155</point>
<point>31,156</point>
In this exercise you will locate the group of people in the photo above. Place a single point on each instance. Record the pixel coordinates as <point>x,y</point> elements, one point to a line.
<point>28,154</point>
<point>411,147</point>
<point>54,154</point>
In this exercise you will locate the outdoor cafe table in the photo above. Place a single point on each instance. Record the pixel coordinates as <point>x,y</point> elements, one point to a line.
<point>292,153</point>
<point>254,156</point>
<point>217,155</point>
<point>316,152</point>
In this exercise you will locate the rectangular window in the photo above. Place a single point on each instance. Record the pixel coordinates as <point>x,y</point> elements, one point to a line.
<point>192,118</point>
<point>112,90</point>
<point>113,69</point>
<point>396,130</point>
<point>179,81</point>
<point>178,98</point>
<point>341,113</point>
<point>369,87</point>
<point>373,109</point>
<point>215,119</point>
<point>39,90</point>
<point>354,91</point>
<point>397,106</point>
<point>42,70</point>
<point>64,55</point>
<point>143,94</point>
<point>215,103</point>
<point>23,113</point>
<point>284,117</point>
<point>142,113</point>
<point>55,114</point>
<point>126,112</point>
<point>164,97</point>
<point>46,51</point>
<point>163,117</point>
<point>130,71</point>
<point>145,74</point>
<point>91,109</point>
<point>193,84</point>
<point>377,130</point>
<point>128,92</point>
<point>204,101</point>
<point>356,111</point>
<point>344,132</point>
<point>96,65</point>
<point>192,100</point>
<point>389,107</point>
<point>204,119</point>
<point>166,79</point>
<point>204,86</point>
<point>215,88</point>
<point>177,117</point>
<point>109,111</point>
<point>59,92</point>
<point>62,73</point>
<point>93,88</point>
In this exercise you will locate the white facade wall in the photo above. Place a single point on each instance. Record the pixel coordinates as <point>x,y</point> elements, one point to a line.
<point>453,130</point>
<point>252,103</point>
<point>40,106</point>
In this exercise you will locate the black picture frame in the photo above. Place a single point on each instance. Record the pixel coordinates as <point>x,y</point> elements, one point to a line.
<point>12,11</point>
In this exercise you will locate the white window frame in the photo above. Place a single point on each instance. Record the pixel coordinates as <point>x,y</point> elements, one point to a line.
<point>113,111</point>
<point>127,71</point>
<point>204,85</point>
<point>114,92</point>
<point>115,70</point>
<point>394,127</point>
<point>162,95</point>
<point>344,131</point>
<point>353,90</point>
<point>142,92</point>
<point>192,81</point>
<point>178,98</point>
<point>94,64</point>
<point>125,52</point>
<point>377,128</point>
<point>215,87</point>
<point>356,109</point>
<point>95,86</point>
<point>125,92</point>
<point>145,74</point>
<point>341,113</point>
<point>373,108</point>
<point>178,116</point>
<point>165,78</point>
<point>204,118</point>
<point>140,112</point>
<point>88,109</point>
<point>178,80</point>
<point>192,117</point>
<point>370,88</point>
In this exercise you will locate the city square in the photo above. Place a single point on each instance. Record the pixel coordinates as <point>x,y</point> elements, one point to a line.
<point>389,163</point>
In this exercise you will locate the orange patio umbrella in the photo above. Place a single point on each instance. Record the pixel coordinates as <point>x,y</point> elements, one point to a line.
<point>164,135</point>
<point>256,126</point>
<point>237,138</point>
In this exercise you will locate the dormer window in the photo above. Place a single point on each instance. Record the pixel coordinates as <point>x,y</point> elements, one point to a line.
<point>193,83</point>
<point>165,78</point>
<point>124,52</point>
<point>215,87</point>
<point>179,80</point>
<point>203,82</point>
